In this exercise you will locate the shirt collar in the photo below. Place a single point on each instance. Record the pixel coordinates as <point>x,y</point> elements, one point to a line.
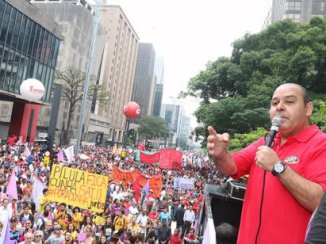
<point>304,135</point>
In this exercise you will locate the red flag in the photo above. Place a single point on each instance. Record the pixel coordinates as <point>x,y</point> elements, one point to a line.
<point>150,158</point>
<point>171,159</point>
<point>141,147</point>
<point>136,187</point>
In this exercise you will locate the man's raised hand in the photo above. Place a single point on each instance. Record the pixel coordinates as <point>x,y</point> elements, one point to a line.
<point>217,143</point>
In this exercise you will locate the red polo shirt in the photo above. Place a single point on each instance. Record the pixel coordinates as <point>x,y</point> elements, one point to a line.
<point>283,219</point>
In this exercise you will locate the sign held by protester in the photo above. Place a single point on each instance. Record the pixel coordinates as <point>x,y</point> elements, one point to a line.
<point>183,183</point>
<point>78,188</point>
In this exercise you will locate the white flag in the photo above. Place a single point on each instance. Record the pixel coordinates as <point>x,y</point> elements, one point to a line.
<point>26,152</point>
<point>37,192</point>
<point>70,154</point>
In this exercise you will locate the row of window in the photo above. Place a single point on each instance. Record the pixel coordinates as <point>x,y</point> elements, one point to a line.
<point>24,35</point>
<point>16,67</point>
<point>27,50</point>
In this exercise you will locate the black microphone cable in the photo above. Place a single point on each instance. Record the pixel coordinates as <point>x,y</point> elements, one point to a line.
<point>269,141</point>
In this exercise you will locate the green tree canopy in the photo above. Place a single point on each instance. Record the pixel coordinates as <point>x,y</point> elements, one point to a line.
<point>235,92</point>
<point>152,128</point>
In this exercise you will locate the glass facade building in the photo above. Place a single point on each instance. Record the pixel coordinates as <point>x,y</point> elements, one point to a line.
<point>300,11</point>
<point>27,50</point>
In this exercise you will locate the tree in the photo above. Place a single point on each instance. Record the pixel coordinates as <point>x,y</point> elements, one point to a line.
<point>235,92</point>
<point>152,128</point>
<point>183,144</point>
<point>73,85</point>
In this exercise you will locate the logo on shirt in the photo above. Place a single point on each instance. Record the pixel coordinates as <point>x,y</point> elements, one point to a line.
<point>291,160</point>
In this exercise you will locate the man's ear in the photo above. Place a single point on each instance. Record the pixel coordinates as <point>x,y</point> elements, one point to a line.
<point>309,109</point>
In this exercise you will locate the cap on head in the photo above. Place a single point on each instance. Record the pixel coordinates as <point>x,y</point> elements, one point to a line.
<point>13,219</point>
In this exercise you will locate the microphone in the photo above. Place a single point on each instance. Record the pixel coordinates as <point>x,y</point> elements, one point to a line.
<point>276,123</point>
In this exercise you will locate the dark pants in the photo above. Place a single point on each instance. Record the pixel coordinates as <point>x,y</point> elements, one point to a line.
<point>179,225</point>
<point>186,228</point>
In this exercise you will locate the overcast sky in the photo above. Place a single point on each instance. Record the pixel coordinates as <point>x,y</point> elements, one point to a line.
<point>189,33</point>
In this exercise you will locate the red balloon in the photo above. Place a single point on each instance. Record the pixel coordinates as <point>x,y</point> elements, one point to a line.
<point>131,110</point>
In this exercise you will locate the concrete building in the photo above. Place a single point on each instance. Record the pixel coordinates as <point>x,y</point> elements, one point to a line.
<point>144,83</point>
<point>29,44</point>
<point>300,11</point>
<point>117,71</point>
<point>76,20</point>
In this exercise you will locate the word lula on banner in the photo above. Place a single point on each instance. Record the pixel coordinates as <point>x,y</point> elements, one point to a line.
<point>78,188</point>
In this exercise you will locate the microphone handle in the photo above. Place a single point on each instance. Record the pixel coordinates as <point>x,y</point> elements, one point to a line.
<point>270,137</point>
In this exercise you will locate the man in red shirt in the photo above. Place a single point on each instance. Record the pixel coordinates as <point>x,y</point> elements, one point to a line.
<point>11,140</point>
<point>287,181</point>
<point>191,237</point>
<point>176,238</point>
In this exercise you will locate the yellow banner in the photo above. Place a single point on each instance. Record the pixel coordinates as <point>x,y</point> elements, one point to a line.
<point>98,220</point>
<point>78,188</point>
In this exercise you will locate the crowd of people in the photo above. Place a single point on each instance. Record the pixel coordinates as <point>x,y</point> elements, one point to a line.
<point>169,218</point>
<point>287,183</point>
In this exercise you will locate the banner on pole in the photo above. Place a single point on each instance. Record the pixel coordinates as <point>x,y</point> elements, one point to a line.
<point>124,176</point>
<point>171,159</point>
<point>150,158</point>
<point>129,176</point>
<point>78,188</point>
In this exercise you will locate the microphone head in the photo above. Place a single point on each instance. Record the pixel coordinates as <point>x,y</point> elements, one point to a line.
<point>277,121</point>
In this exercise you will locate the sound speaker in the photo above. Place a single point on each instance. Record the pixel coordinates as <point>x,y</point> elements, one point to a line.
<point>224,208</point>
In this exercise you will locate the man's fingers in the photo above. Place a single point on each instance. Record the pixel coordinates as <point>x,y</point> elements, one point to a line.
<point>225,137</point>
<point>211,131</point>
<point>212,135</point>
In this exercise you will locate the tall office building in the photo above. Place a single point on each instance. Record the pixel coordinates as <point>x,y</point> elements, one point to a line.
<point>29,44</point>
<point>171,114</point>
<point>185,128</point>
<point>76,20</point>
<point>300,11</point>
<point>158,99</point>
<point>144,83</point>
<point>159,86</point>
<point>117,70</point>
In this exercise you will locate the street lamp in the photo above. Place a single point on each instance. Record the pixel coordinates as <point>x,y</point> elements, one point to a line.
<point>131,110</point>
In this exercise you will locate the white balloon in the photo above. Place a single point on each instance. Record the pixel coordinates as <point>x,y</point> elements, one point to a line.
<point>32,89</point>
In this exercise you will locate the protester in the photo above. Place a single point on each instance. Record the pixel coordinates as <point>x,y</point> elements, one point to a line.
<point>72,231</point>
<point>26,216</point>
<point>226,234</point>
<point>175,237</point>
<point>89,238</point>
<point>28,238</point>
<point>67,238</point>
<point>14,232</point>
<point>103,239</point>
<point>188,220</point>
<point>164,233</point>
<point>57,236</point>
<point>287,181</point>
<point>179,216</point>
<point>165,215</point>
<point>38,237</point>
